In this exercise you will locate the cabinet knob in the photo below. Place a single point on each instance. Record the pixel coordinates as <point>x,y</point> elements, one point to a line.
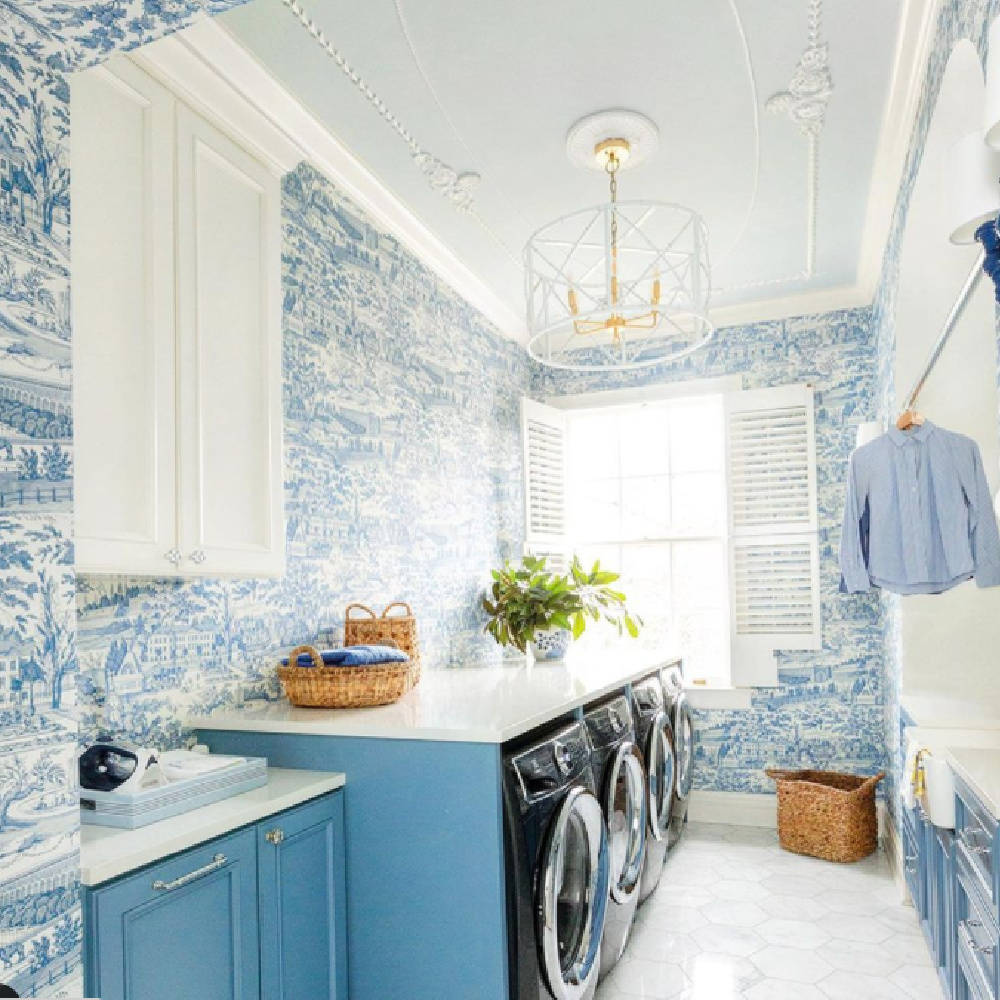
<point>173,555</point>
<point>198,556</point>
<point>275,836</point>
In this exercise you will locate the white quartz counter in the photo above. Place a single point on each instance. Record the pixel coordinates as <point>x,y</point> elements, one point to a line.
<point>979,768</point>
<point>106,853</point>
<point>476,704</point>
<point>934,711</point>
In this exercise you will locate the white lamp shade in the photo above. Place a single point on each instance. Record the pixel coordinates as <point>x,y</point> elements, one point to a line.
<point>972,187</point>
<point>991,110</point>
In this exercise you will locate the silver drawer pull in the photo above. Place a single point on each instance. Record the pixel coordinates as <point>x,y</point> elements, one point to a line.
<point>275,836</point>
<point>198,556</point>
<point>979,849</point>
<point>173,556</point>
<point>219,861</point>
<point>910,858</point>
<point>982,949</point>
<point>911,870</point>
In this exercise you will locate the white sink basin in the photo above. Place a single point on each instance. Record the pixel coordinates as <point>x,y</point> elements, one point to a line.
<point>938,799</point>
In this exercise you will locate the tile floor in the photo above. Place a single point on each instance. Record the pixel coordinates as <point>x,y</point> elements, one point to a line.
<point>737,917</point>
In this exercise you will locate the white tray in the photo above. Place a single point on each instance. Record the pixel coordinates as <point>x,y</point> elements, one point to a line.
<point>129,811</point>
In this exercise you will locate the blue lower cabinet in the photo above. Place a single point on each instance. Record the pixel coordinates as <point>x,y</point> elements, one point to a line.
<point>186,927</point>
<point>303,901</point>
<point>259,914</point>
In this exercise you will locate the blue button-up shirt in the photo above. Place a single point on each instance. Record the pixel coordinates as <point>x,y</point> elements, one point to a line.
<point>919,517</point>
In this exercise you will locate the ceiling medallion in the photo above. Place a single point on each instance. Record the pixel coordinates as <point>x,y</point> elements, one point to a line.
<point>621,285</point>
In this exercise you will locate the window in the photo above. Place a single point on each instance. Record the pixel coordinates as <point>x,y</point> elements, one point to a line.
<point>705,504</point>
<point>647,497</point>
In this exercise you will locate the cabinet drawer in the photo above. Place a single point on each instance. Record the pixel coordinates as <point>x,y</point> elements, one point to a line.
<point>976,840</point>
<point>185,927</point>
<point>977,935</point>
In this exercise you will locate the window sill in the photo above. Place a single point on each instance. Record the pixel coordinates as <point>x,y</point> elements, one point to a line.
<point>718,697</point>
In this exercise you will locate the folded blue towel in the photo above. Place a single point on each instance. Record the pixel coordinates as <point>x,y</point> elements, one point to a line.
<point>354,656</point>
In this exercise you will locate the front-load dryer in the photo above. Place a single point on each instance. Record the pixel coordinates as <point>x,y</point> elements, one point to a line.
<point>655,739</point>
<point>682,719</point>
<point>557,865</point>
<point>621,785</point>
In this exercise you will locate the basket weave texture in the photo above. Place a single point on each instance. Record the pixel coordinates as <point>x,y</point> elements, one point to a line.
<point>366,628</point>
<point>827,815</point>
<point>342,687</point>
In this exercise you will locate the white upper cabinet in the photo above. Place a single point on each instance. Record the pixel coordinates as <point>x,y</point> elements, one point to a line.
<point>228,307</point>
<point>177,337</point>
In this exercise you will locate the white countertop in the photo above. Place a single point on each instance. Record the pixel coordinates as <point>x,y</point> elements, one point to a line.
<point>106,853</point>
<point>934,711</point>
<point>475,704</point>
<point>979,768</point>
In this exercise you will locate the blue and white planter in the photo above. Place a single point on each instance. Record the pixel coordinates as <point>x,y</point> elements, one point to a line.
<point>551,644</point>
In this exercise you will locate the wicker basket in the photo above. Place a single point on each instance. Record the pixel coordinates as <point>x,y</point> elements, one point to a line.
<point>369,628</point>
<point>342,687</point>
<point>827,815</point>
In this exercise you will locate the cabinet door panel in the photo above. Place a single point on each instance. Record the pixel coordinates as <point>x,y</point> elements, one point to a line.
<point>303,900</point>
<point>229,230</point>
<point>123,321</point>
<point>198,938</point>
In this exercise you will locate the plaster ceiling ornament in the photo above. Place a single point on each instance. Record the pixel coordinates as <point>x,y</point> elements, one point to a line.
<point>456,186</point>
<point>806,102</point>
<point>622,285</point>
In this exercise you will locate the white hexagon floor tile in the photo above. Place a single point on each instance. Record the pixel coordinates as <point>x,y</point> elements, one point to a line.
<point>736,918</point>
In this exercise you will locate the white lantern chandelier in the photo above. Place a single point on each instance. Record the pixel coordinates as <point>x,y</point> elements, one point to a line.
<point>622,285</point>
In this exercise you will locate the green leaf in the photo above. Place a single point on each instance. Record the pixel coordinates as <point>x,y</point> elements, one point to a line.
<point>579,624</point>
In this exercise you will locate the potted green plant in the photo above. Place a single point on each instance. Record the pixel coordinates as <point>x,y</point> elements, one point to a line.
<point>530,606</point>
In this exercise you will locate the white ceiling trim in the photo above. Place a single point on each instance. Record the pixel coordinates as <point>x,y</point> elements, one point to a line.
<point>215,70</point>
<point>913,48</point>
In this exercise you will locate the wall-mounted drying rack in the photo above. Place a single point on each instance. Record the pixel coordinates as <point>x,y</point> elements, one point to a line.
<point>971,284</point>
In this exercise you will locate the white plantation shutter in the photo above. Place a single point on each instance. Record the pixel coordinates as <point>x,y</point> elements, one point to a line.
<point>774,547</point>
<point>544,436</point>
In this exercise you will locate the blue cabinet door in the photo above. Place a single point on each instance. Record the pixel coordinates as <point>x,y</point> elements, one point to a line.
<point>303,902</point>
<point>185,927</point>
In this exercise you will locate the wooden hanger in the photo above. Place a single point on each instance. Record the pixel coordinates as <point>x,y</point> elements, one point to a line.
<point>908,419</point>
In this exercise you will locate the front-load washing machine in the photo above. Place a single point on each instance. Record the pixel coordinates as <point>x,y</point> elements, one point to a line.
<point>557,865</point>
<point>655,739</point>
<point>621,787</point>
<point>682,719</point>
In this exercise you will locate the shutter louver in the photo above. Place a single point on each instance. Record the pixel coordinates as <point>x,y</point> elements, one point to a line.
<point>544,433</point>
<point>774,551</point>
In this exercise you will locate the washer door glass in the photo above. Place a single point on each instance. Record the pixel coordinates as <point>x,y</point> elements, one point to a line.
<point>662,775</point>
<point>573,896</point>
<point>625,809</point>
<point>684,730</point>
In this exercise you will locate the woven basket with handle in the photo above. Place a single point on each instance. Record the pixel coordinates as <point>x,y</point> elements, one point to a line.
<point>363,627</point>
<point>320,686</point>
<point>826,814</point>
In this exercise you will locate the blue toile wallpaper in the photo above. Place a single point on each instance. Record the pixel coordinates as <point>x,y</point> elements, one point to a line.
<point>828,710</point>
<point>402,481</point>
<point>957,20</point>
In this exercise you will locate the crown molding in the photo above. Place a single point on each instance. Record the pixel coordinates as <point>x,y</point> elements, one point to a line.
<point>214,72</point>
<point>811,303</point>
<point>914,43</point>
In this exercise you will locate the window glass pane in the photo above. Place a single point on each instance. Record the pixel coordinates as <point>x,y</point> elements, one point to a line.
<point>609,557</point>
<point>703,637</point>
<point>700,575</point>
<point>645,441</point>
<point>593,446</point>
<point>697,441</point>
<point>646,507</point>
<point>699,502</point>
<point>595,510</point>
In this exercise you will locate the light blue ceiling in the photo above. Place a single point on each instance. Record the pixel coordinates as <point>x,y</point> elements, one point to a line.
<point>494,88</point>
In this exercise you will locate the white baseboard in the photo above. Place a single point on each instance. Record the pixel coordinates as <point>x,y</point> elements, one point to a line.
<point>734,809</point>
<point>893,847</point>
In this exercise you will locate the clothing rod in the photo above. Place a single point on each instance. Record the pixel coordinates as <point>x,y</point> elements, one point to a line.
<point>971,283</point>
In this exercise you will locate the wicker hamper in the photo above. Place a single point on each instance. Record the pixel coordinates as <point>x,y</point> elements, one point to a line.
<point>827,815</point>
<point>319,686</point>
<point>368,628</point>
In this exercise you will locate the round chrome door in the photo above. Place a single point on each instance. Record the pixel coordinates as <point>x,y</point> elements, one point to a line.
<point>573,896</point>
<point>662,775</point>
<point>684,738</point>
<point>625,810</point>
